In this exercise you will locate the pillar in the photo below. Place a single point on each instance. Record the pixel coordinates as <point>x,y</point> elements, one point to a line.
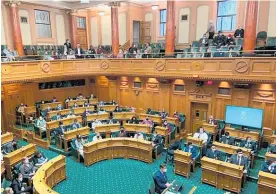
<point>74,35</point>
<point>249,42</point>
<point>170,28</point>
<point>16,32</point>
<point>115,28</point>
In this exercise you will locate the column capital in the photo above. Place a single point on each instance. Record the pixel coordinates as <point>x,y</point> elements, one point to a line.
<point>72,11</point>
<point>114,4</point>
<point>12,3</point>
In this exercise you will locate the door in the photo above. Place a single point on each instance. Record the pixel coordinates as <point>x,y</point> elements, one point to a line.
<point>136,32</point>
<point>82,37</point>
<point>199,115</point>
<point>145,32</point>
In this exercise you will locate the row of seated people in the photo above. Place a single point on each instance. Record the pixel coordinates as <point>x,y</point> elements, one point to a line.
<point>9,147</point>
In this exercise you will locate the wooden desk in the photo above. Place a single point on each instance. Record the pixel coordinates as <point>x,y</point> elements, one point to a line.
<point>30,110</point>
<point>154,118</point>
<point>163,132</point>
<point>182,163</point>
<point>173,120</point>
<point>223,175</point>
<point>270,156</point>
<point>230,149</point>
<point>49,174</point>
<point>2,168</point>
<point>195,141</point>
<point>212,129</point>
<point>111,148</point>
<point>92,117</point>
<point>242,134</point>
<point>108,107</point>
<point>80,110</point>
<point>93,100</point>
<point>17,156</point>
<point>63,112</point>
<point>137,128</point>
<point>52,105</point>
<point>7,137</point>
<point>107,129</point>
<point>273,139</point>
<point>69,135</point>
<point>123,115</point>
<point>79,102</point>
<point>54,124</point>
<point>266,183</point>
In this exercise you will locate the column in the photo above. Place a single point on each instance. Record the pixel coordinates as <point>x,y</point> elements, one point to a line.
<point>74,28</point>
<point>249,41</point>
<point>170,28</point>
<point>115,27</point>
<point>16,32</point>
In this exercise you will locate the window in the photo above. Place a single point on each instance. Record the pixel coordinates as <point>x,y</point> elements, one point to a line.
<point>163,18</point>
<point>81,22</point>
<point>226,19</point>
<point>43,24</point>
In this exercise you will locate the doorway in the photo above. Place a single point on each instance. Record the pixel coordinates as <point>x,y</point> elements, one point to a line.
<point>82,36</point>
<point>199,115</point>
<point>136,32</point>
<point>145,32</point>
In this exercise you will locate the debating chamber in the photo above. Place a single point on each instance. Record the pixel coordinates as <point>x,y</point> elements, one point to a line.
<point>138,97</point>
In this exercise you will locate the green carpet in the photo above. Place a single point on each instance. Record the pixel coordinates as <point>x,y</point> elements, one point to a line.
<point>257,167</point>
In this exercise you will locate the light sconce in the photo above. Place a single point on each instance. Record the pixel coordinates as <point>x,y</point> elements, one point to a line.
<point>154,7</point>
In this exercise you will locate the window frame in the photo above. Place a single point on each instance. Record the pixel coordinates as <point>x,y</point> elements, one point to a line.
<point>51,35</point>
<point>224,16</point>
<point>162,23</point>
<point>78,19</point>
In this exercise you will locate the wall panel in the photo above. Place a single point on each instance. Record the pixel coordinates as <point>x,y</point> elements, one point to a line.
<point>25,28</point>
<point>60,26</point>
<point>106,29</point>
<point>94,31</point>
<point>202,21</point>
<point>122,17</point>
<point>184,26</point>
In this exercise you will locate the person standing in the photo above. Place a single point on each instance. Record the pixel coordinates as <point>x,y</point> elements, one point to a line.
<point>161,179</point>
<point>211,29</point>
<point>67,46</point>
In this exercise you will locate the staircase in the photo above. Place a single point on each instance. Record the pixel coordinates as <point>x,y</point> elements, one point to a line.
<point>126,45</point>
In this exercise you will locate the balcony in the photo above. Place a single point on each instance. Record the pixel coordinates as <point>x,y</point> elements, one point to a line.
<point>258,69</point>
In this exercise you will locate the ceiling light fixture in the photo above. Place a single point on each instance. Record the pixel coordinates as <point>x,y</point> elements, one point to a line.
<point>84,1</point>
<point>101,13</point>
<point>154,7</point>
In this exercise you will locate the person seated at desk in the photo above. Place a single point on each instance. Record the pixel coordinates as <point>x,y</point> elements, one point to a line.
<point>80,96</point>
<point>58,117</point>
<point>155,139</point>
<point>75,105</point>
<point>8,190</point>
<point>85,104</point>
<point>41,124</point>
<point>17,185</point>
<point>101,103</point>
<point>101,111</point>
<point>112,121</point>
<point>95,124</point>
<point>117,109</point>
<point>161,179</point>
<point>71,115</point>
<point>76,124</point>
<point>133,120</point>
<point>86,112</point>
<point>97,137</point>
<point>272,149</point>
<point>21,109</point>
<point>211,120</point>
<point>249,144</point>
<point>176,115</point>
<point>138,135</point>
<point>61,129</point>
<point>226,139</point>
<point>68,99</point>
<point>190,149</point>
<point>27,170</point>
<point>148,121</point>
<point>240,159</point>
<point>166,125</point>
<point>79,142</point>
<point>39,159</point>
<point>113,102</point>
<point>272,167</point>
<point>163,114</point>
<point>48,109</point>
<point>54,99</point>
<point>122,132</point>
<point>92,96</point>
<point>213,153</point>
<point>149,111</point>
<point>42,102</point>
<point>10,147</point>
<point>59,107</point>
<point>202,135</point>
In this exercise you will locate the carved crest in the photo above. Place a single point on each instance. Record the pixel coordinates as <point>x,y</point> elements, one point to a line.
<point>45,67</point>
<point>242,67</point>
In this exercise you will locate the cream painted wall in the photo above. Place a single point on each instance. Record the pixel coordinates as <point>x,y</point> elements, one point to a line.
<point>184,26</point>
<point>122,28</point>
<point>106,29</point>
<point>202,20</point>
<point>271,19</point>
<point>149,18</point>
<point>3,34</point>
<point>60,26</point>
<point>25,28</point>
<point>94,31</point>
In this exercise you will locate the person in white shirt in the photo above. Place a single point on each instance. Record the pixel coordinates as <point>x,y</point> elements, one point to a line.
<point>211,120</point>
<point>97,137</point>
<point>202,135</point>
<point>79,144</point>
<point>96,123</point>
<point>101,111</point>
<point>71,115</point>
<point>80,97</point>
<point>41,124</point>
<point>138,135</point>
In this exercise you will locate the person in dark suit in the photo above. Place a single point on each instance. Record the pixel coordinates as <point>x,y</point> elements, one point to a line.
<point>239,33</point>
<point>117,109</point>
<point>265,165</point>
<point>76,124</point>
<point>122,132</point>
<point>54,99</point>
<point>272,149</point>
<point>91,52</point>
<point>61,129</point>
<point>191,149</point>
<point>213,153</point>
<point>133,120</point>
<point>226,139</point>
<point>161,179</point>
<point>249,144</point>
<point>219,40</point>
<point>240,159</point>
<point>68,46</point>
<point>155,138</point>
<point>17,185</point>
<point>79,52</point>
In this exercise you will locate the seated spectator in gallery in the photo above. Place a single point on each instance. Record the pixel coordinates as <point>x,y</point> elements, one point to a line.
<point>71,115</point>
<point>80,96</point>
<point>226,139</point>
<point>208,53</point>
<point>21,109</point>
<point>97,137</point>
<point>68,45</point>
<point>230,40</point>
<point>41,124</point>
<point>117,109</point>
<point>59,107</point>
<point>18,187</point>
<point>133,120</point>
<point>232,53</point>
<point>249,144</point>
<point>91,52</point>
<point>39,159</point>
<point>27,170</point>
<point>122,132</point>
<point>220,40</point>
<point>204,41</point>
<point>126,55</point>
<point>132,48</point>
<point>54,99</point>
<point>148,121</point>
<point>79,142</point>
<point>100,50</point>
<point>96,123</point>
<point>120,54</point>
<point>76,124</point>
<point>147,51</point>
<point>138,135</point>
<point>79,53</point>
<point>239,33</point>
<point>213,153</point>
<point>139,54</point>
